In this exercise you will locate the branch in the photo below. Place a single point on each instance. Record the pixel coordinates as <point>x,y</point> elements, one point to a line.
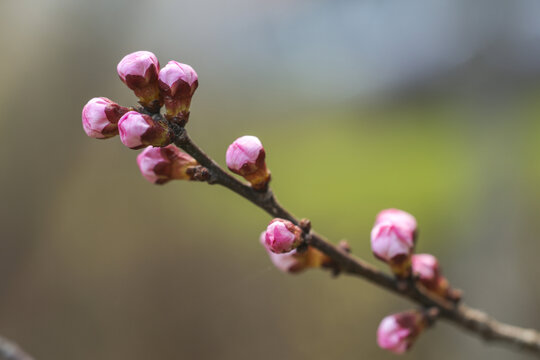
<point>11,351</point>
<point>467,318</point>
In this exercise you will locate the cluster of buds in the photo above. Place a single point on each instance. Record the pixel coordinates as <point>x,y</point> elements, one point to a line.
<point>393,239</point>
<point>172,86</point>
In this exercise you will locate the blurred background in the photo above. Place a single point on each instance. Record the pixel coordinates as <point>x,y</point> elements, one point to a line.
<point>430,106</point>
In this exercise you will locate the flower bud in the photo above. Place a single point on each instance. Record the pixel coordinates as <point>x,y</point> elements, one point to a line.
<point>403,218</point>
<point>139,71</point>
<point>294,262</point>
<point>100,117</point>
<point>159,165</point>
<point>398,332</point>
<point>139,130</point>
<point>178,83</point>
<point>392,240</point>
<point>426,268</point>
<point>245,157</point>
<point>282,236</point>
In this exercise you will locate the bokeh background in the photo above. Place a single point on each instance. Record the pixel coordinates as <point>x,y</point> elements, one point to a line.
<point>426,105</point>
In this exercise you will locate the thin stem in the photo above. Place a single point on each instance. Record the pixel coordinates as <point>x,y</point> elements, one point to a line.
<point>468,318</point>
<point>11,351</point>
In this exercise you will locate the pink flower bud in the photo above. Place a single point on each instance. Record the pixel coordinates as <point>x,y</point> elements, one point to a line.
<point>139,130</point>
<point>294,262</point>
<point>289,262</point>
<point>392,240</point>
<point>162,164</point>
<point>100,117</point>
<point>398,332</point>
<point>282,236</point>
<point>245,157</point>
<point>139,71</point>
<point>403,218</point>
<point>426,268</point>
<point>389,241</point>
<point>178,83</point>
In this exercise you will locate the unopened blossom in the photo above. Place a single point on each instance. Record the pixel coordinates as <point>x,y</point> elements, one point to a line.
<point>294,262</point>
<point>140,130</point>
<point>426,268</point>
<point>162,164</point>
<point>393,239</point>
<point>178,83</point>
<point>282,236</point>
<point>397,332</point>
<point>139,71</point>
<point>246,157</point>
<point>399,217</point>
<point>100,117</point>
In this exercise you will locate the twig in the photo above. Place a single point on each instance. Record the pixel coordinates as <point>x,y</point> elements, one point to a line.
<point>468,318</point>
<point>11,351</point>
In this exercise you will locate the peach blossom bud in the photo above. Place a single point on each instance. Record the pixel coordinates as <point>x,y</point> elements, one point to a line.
<point>398,332</point>
<point>162,164</point>
<point>392,240</point>
<point>100,117</point>
<point>178,83</point>
<point>139,71</point>
<point>400,217</point>
<point>426,268</point>
<point>282,236</point>
<point>294,262</point>
<point>139,130</point>
<point>245,157</point>
<point>291,262</point>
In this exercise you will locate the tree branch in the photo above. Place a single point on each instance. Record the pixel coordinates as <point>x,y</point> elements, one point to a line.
<point>467,318</point>
<point>11,351</point>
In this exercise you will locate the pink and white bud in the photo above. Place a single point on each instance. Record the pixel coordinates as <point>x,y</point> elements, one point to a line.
<point>393,239</point>
<point>178,83</point>
<point>139,130</point>
<point>399,217</point>
<point>389,241</point>
<point>139,71</point>
<point>282,236</point>
<point>294,262</point>
<point>290,262</point>
<point>162,164</point>
<point>426,268</point>
<point>246,157</point>
<point>100,118</point>
<point>397,332</point>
